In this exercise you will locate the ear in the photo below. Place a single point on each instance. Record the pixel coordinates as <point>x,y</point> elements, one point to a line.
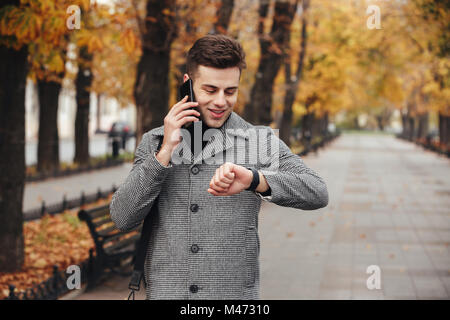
<point>185,77</point>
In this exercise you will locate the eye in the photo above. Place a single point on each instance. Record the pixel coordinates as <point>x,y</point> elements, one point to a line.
<point>230,91</point>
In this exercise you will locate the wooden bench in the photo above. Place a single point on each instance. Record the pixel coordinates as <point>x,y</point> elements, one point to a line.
<point>115,249</point>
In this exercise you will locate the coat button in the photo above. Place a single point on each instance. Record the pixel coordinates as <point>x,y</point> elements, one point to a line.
<point>194,207</point>
<point>195,170</point>
<point>194,248</point>
<point>193,288</point>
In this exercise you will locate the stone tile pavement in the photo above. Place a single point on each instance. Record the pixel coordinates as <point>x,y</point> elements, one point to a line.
<point>389,206</point>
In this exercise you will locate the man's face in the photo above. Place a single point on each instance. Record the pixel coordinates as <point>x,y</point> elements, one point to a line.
<point>216,92</point>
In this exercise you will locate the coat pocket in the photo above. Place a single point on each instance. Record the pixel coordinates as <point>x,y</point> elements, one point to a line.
<point>251,255</point>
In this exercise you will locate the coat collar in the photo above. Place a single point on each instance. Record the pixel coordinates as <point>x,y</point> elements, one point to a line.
<point>221,140</point>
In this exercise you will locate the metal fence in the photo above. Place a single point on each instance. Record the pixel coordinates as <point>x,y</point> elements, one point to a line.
<point>55,286</point>
<point>65,204</point>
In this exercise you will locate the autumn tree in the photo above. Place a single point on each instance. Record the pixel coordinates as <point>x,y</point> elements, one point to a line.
<point>47,55</point>
<point>435,15</point>
<point>13,73</point>
<point>113,40</point>
<point>82,83</point>
<point>33,28</point>
<point>293,79</point>
<point>188,21</point>
<point>258,108</point>
<point>223,16</point>
<point>36,29</point>
<point>87,43</point>
<point>151,89</point>
<point>108,49</point>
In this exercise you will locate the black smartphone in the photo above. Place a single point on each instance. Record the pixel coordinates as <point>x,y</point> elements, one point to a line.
<point>186,89</point>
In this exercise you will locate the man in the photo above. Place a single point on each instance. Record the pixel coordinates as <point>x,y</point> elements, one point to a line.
<point>204,241</point>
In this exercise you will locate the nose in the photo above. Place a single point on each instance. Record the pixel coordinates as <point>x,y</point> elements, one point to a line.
<point>220,101</point>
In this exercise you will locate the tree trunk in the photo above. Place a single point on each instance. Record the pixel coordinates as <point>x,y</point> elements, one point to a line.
<point>380,122</point>
<point>13,73</point>
<point>151,89</point>
<point>190,33</point>
<point>314,126</point>
<point>292,84</point>
<point>307,129</point>
<point>446,141</point>
<point>411,126</point>
<point>444,130</point>
<point>258,109</point>
<point>306,122</point>
<point>48,141</point>
<point>422,129</point>
<point>383,119</point>
<point>356,122</point>
<point>286,116</point>
<point>250,107</point>
<point>408,122</point>
<point>83,82</point>
<point>99,114</point>
<point>223,16</point>
<point>404,126</point>
<point>322,127</point>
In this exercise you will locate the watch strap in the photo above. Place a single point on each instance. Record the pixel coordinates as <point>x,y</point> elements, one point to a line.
<point>255,181</point>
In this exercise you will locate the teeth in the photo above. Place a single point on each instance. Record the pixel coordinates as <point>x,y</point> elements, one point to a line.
<point>218,112</point>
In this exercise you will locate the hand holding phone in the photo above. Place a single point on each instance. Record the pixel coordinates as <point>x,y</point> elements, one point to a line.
<point>186,89</point>
<point>180,114</point>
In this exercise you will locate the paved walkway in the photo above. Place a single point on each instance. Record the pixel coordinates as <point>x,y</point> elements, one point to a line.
<point>52,190</point>
<point>389,207</point>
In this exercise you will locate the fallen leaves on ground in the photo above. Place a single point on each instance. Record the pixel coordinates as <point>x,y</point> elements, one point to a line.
<point>61,240</point>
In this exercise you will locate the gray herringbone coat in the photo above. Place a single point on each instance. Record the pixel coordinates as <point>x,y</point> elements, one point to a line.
<point>203,246</point>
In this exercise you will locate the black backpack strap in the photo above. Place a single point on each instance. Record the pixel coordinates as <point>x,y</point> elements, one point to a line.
<point>138,271</point>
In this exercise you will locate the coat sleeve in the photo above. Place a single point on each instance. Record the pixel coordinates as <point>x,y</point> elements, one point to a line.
<point>134,198</point>
<point>291,182</point>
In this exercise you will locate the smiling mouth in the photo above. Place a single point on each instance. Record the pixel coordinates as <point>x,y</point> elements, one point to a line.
<point>217,113</point>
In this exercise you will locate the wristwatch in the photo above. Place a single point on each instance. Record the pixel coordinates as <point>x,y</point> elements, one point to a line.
<point>255,181</point>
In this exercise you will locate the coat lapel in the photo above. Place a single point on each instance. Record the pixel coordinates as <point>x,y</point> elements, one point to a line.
<point>220,140</point>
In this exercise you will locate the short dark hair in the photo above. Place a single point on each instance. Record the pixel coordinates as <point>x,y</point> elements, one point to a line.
<point>217,51</point>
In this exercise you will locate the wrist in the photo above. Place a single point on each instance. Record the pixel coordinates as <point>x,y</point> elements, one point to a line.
<point>250,178</point>
<point>163,155</point>
<point>166,148</point>
<point>254,182</point>
<point>263,186</point>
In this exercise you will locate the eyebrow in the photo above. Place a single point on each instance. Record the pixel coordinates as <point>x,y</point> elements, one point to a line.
<point>214,87</point>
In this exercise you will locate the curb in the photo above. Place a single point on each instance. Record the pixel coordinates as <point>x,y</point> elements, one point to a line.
<point>73,294</point>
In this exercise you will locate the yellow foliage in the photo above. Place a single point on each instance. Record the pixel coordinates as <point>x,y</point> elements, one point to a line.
<point>346,67</point>
<point>129,41</point>
<point>57,63</point>
<point>94,44</point>
<point>85,4</point>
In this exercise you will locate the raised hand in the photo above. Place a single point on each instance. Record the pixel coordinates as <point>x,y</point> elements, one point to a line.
<point>230,179</point>
<point>177,116</point>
